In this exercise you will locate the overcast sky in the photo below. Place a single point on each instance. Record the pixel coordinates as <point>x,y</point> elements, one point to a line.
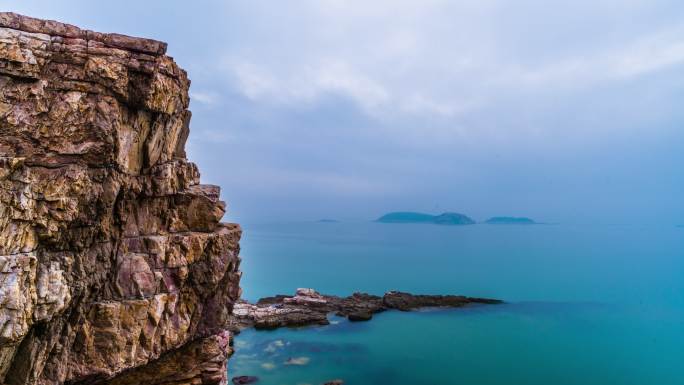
<point>565,111</point>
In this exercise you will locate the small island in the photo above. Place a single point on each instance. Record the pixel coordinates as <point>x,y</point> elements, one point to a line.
<point>510,221</point>
<point>325,220</point>
<point>414,217</point>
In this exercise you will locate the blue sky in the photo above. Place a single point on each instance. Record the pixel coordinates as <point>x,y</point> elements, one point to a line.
<point>304,109</point>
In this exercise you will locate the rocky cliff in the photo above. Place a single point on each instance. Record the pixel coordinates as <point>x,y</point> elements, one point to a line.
<point>114,267</point>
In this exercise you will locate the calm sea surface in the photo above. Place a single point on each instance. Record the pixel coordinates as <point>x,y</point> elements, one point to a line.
<point>585,304</point>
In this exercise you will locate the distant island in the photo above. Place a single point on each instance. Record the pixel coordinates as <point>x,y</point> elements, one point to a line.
<point>413,217</point>
<point>328,221</point>
<point>510,221</point>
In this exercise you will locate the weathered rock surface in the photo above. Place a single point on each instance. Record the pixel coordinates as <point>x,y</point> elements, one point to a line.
<point>114,268</point>
<point>308,307</point>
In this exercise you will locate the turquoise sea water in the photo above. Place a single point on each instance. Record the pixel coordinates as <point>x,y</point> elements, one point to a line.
<point>585,304</point>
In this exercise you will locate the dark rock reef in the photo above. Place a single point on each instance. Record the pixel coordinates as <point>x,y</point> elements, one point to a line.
<point>308,307</point>
<point>114,266</point>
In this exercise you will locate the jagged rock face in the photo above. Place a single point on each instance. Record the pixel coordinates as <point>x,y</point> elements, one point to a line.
<point>114,267</point>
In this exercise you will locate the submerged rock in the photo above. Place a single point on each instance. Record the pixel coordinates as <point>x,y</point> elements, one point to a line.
<point>308,307</point>
<point>334,382</point>
<point>244,380</point>
<point>298,361</point>
<point>114,266</point>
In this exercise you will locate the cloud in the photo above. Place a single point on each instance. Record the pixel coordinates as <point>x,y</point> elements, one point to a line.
<point>208,98</point>
<point>439,59</point>
<point>654,53</point>
<point>309,84</point>
<point>659,51</point>
<point>253,82</point>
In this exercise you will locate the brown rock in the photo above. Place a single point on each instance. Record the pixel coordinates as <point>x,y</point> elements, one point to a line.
<point>114,268</point>
<point>360,316</point>
<point>308,307</point>
<point>406,301</point>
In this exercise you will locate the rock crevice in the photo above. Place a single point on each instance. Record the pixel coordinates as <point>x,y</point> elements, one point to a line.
<point>113,260</point>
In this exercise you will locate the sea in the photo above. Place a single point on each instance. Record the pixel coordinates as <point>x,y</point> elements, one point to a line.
<point>584,304</point>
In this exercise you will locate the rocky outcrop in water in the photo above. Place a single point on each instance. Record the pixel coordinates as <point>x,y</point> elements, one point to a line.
<point>510,221</point>
<point>412,217</point>
<point>308,307</point>
<point>114,266</point>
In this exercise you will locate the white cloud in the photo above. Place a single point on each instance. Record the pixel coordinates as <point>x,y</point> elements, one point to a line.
<point>438,58</point>
<point>205,97</point>
<point>338,76</point>
<point>306,85</point>
<point>659,51</point>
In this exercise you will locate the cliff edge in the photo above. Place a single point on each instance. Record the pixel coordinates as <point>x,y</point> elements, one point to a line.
<point>114,266</point>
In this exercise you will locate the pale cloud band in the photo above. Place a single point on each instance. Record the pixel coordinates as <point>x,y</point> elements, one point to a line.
<point>429,58</point>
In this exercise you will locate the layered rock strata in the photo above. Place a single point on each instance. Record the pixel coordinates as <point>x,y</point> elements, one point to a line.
<point>308,307</point>
<point>114,266</point>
